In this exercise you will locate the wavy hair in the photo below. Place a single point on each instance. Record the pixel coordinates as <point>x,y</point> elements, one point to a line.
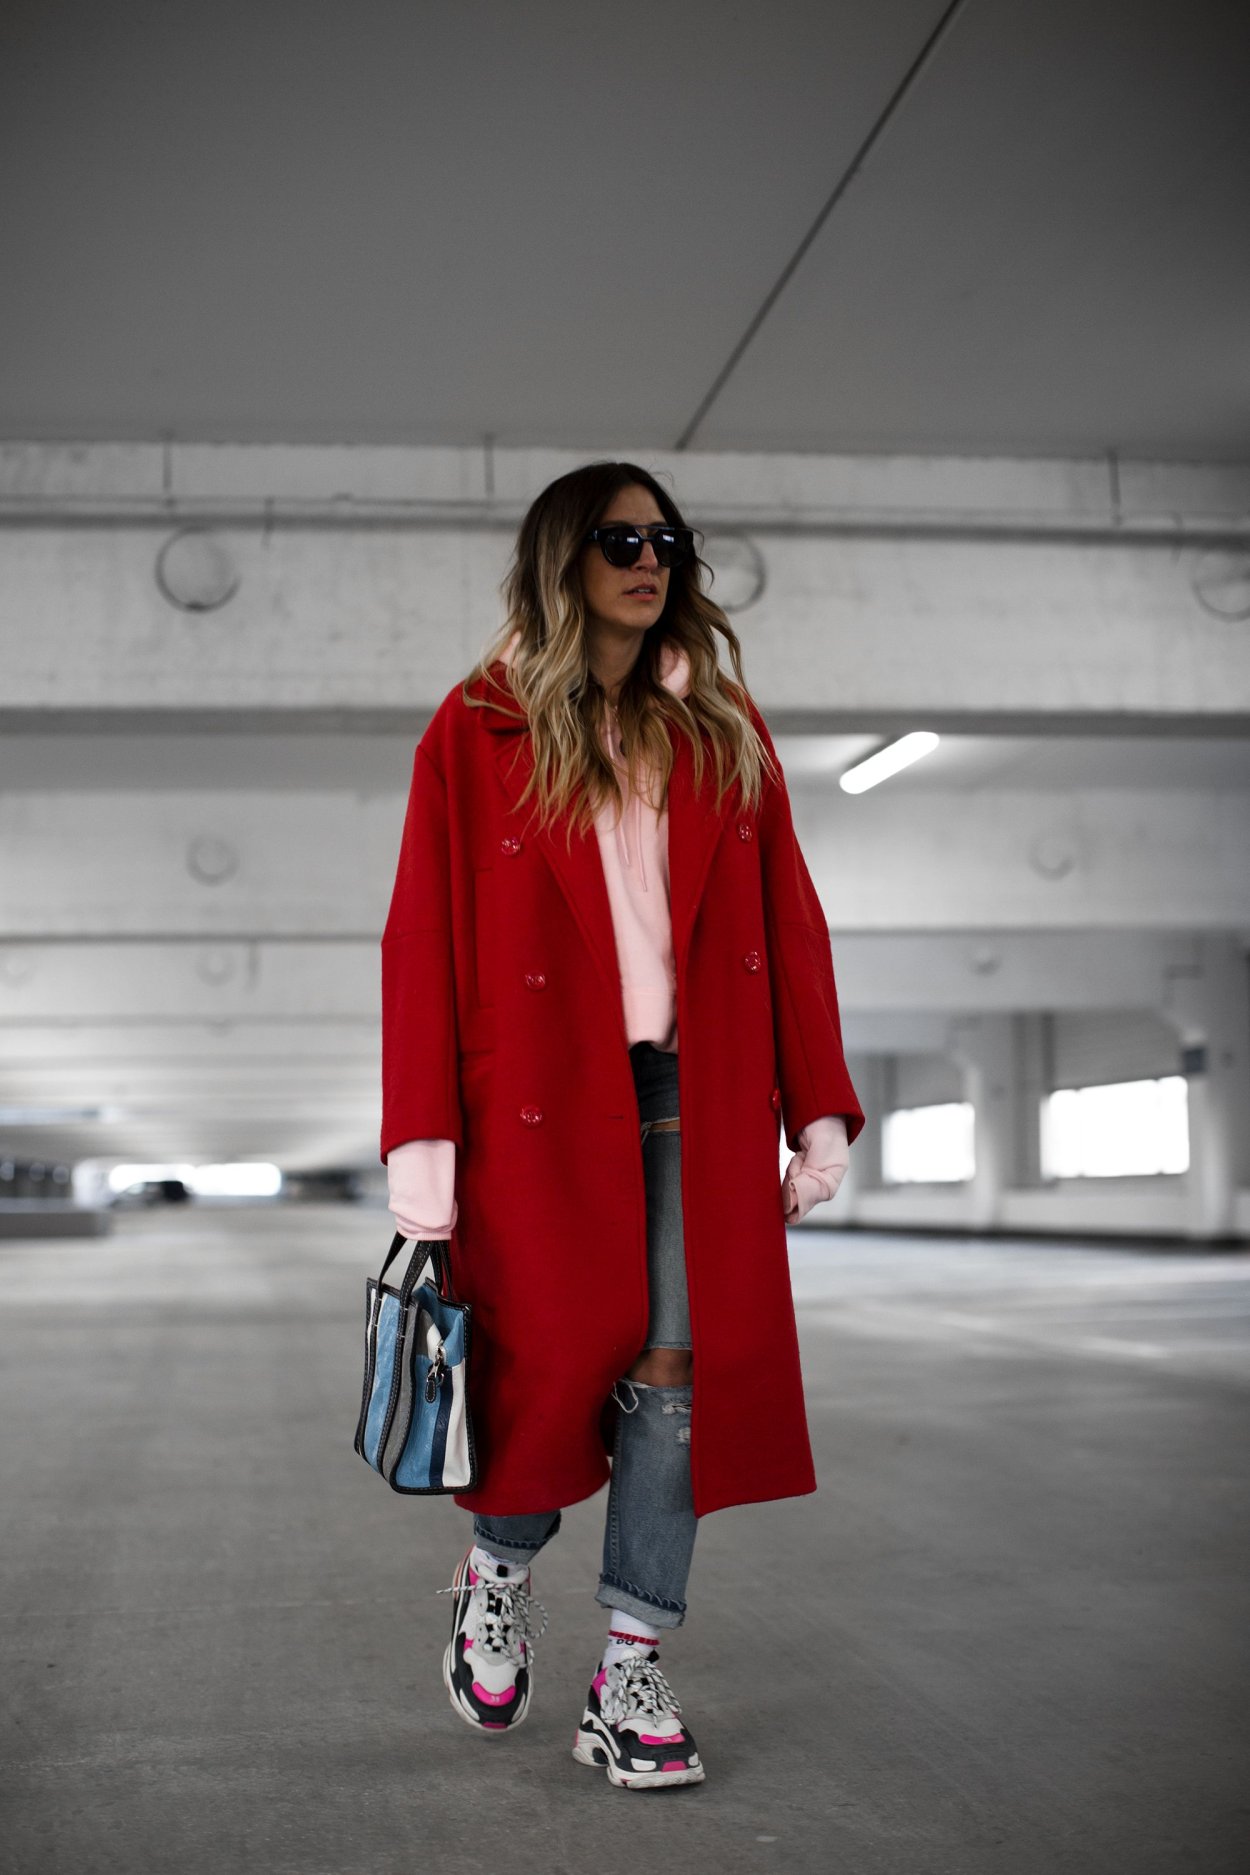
<point>550,679</point>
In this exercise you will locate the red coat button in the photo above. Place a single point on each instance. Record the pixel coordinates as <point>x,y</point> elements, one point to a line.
<point>745,830</point>
<point>752,960</point>
<point>510,844</point>
<point>774,1099</point>
<point>535,980</point>
<point>532,1116</point>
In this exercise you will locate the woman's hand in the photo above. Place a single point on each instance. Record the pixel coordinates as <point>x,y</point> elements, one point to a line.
<point>814,1174</point>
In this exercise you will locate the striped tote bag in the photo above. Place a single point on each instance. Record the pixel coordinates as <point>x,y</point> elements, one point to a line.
<point>414,1427</point>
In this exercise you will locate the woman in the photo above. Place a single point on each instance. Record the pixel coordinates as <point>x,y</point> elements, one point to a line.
<point>607,982</point>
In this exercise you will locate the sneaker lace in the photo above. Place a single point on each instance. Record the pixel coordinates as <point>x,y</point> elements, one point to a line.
<point>635,1688</point>
<point>504,1623</point>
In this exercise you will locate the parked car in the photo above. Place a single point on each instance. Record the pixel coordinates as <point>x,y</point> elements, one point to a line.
<point>152,1191</point>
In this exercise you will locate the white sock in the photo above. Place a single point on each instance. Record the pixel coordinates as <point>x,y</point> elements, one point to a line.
<point>625,1632</point>
<point>481,1559</point>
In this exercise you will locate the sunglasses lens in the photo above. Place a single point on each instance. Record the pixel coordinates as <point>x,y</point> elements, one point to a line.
<point>621,545</point>
<point>673,545</point>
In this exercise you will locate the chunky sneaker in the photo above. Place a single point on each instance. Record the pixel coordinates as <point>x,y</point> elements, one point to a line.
<point>631,1727</point>
<point>487,1668</point>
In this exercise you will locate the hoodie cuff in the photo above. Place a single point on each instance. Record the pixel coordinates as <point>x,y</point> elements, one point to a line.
<point>421,1179</point>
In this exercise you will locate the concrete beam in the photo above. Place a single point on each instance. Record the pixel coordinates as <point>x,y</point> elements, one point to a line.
<point>347,484</point>
<point>848,633</point>
<point>886,977</point>
<point>894,591</point>
<point>234,863</point>
<point>191,865</point>
<point>319,985</point>
<point>1029,860</point>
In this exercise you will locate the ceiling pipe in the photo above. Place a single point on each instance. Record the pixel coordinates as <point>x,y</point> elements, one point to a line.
<point>349,513</point>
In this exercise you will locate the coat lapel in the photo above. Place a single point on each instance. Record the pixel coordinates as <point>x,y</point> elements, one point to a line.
<point>577,866</point>
<point>694,827</point>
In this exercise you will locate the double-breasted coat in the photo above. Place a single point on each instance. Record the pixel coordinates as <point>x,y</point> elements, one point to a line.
<point>503,1030</point>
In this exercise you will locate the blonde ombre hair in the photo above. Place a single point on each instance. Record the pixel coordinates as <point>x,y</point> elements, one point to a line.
<point>550,683</point>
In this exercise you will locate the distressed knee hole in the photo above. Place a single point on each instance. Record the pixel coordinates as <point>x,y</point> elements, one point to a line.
<point>664,1367</point>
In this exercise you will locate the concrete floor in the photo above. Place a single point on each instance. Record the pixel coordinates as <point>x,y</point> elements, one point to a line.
<point>1008,1634</point>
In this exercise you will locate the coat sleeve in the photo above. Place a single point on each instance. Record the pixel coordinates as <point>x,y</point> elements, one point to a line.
<point>811,1067</point>
<point>420,1074</point>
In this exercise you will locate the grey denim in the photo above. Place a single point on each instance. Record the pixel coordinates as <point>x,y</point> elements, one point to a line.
<point>650,1525</point>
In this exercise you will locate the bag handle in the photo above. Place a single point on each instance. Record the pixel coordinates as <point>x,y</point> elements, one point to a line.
<point>425,1250</point>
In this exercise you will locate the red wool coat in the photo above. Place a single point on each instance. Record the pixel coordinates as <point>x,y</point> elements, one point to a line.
<point>503,1029</point>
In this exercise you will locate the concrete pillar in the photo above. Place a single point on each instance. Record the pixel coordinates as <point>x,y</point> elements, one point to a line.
<point>1209,1004</point>
<point>985,1045</point>
<point>1032,1060</point>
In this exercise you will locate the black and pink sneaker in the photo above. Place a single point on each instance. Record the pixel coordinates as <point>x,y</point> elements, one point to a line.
<point>487,1668</point>
<point>632,1726</point>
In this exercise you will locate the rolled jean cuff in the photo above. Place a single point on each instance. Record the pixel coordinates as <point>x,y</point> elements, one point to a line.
<point>610,1594</point>
<point>512,1548</point>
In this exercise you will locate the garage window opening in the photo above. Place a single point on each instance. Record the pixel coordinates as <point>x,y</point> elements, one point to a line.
<point>1122,1129</point>
<point>928,1145</point>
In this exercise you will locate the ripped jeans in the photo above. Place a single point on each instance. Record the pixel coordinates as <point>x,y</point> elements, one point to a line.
<point>650,1526</point>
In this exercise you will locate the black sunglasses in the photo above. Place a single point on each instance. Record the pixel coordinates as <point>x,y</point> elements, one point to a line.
<point>621,544</point>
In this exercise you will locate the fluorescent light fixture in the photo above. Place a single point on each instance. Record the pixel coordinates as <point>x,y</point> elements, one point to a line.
<point>888,761</point>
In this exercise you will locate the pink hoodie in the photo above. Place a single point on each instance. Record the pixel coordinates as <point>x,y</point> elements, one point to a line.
<point>634,851</point>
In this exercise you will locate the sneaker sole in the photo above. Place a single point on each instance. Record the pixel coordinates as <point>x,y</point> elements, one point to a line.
<point>587,1750</point>
<point>469,1716</point>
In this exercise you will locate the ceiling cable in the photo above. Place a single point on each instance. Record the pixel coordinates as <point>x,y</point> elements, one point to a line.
<point>844,182</point>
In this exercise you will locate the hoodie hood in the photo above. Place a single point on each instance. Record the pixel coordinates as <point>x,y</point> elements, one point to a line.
<point>674,664</point>
<point>675,676</point>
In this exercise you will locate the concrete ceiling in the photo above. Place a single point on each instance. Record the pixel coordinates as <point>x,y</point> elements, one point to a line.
<point>550,223</point>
